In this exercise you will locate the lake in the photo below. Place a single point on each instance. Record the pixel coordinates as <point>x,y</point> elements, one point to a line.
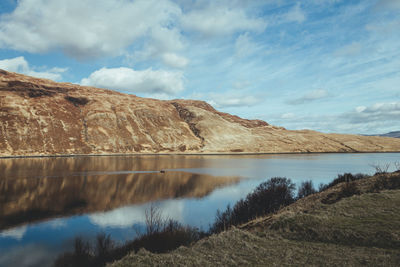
<point>46,202</point>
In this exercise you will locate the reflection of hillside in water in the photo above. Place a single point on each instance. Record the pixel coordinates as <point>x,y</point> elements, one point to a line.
<point>63,191</point>
<point>41,167</point>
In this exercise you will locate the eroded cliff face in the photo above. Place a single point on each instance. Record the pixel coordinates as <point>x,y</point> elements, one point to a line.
<point>41,117</point>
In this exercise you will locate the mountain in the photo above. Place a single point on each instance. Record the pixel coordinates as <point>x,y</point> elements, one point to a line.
<point>395,134</point>
<point>42,117</point>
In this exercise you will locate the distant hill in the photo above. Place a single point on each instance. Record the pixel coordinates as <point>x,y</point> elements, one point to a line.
<point>42,117</point>
<point>395,134</point>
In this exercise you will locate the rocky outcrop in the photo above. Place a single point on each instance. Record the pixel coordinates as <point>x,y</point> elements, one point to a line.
<point>42,117</point>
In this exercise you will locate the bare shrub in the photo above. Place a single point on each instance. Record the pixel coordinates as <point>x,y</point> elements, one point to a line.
<point>82,255</point>
<point>386,182</point>
<point>268,197</point>
<point>161,235</point>
<point>305,189</point>
<point>380,168</point>
<point>346,177</point>
<point>397,166</point>
<point>154,220</point>
<point>104,247</point>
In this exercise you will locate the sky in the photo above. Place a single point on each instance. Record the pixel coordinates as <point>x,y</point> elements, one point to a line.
<point>325,65</point>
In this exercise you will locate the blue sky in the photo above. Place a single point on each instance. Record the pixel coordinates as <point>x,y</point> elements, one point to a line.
<point>326,65</point>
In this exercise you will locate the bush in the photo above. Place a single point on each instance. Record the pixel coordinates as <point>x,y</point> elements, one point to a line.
<point>346,177</point>
<point>306,188</point>
<point>268,197</point>
<point>348,189</point>
<point>397,166</point>
<point>386,182</point>
<point>161,235</point>
<point>82,255</point>
<point>380,168</point>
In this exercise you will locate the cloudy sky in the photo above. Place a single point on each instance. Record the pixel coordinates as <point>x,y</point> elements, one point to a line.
<point>326,65</point>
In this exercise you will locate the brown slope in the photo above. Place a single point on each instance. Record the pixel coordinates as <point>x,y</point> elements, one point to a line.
<point>42,117</point>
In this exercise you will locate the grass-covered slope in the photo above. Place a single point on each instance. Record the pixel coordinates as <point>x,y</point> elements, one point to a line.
<point>353,224</point>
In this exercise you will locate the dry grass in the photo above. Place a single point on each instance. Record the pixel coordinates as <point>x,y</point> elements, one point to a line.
<point>242,248</point>
<point>358,230</point>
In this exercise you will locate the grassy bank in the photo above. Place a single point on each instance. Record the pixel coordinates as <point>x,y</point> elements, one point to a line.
<point>354,220</point>
<point>338,226</point>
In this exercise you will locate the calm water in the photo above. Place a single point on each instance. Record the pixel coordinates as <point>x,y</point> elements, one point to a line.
<point>46,202</point>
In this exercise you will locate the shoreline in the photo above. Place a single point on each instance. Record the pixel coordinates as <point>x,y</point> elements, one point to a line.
<point>190,154</point>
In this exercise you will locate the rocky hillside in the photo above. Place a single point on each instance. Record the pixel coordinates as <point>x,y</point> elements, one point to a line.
<point>42,117</point>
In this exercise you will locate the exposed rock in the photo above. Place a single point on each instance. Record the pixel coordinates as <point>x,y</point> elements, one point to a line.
<point>42,117</point>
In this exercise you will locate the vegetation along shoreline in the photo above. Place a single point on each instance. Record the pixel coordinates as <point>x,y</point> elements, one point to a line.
<point>355,213</point>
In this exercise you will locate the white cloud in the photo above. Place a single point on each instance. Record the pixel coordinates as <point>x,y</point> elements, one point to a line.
<point>377,112</point>
<point>146,81</point>
<point>164,44</point>
<point>375,119</point>
<point>56,223</point>
<point>215,20</point>
<point>309,97</point>
<point>296,14</point>
<point>288,115</point>
<point>20,65</point>
<point>83,28</point>
<point>15,233</point>
<point>174,60</point>
<point>244,46</point>
<point>234,100</point>
<point>130,215</point>
<point>28,255</point>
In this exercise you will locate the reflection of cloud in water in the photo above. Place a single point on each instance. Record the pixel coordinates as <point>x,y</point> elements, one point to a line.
<point>29,255</point>
<point>15,233</point>
<point>89,194</point>
<point>57,223</point>
<point>130,215</point>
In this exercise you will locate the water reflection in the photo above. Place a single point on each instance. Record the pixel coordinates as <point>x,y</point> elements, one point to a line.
<point>56,167</point>
<point>111,194</point>
<point>26,199</point>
